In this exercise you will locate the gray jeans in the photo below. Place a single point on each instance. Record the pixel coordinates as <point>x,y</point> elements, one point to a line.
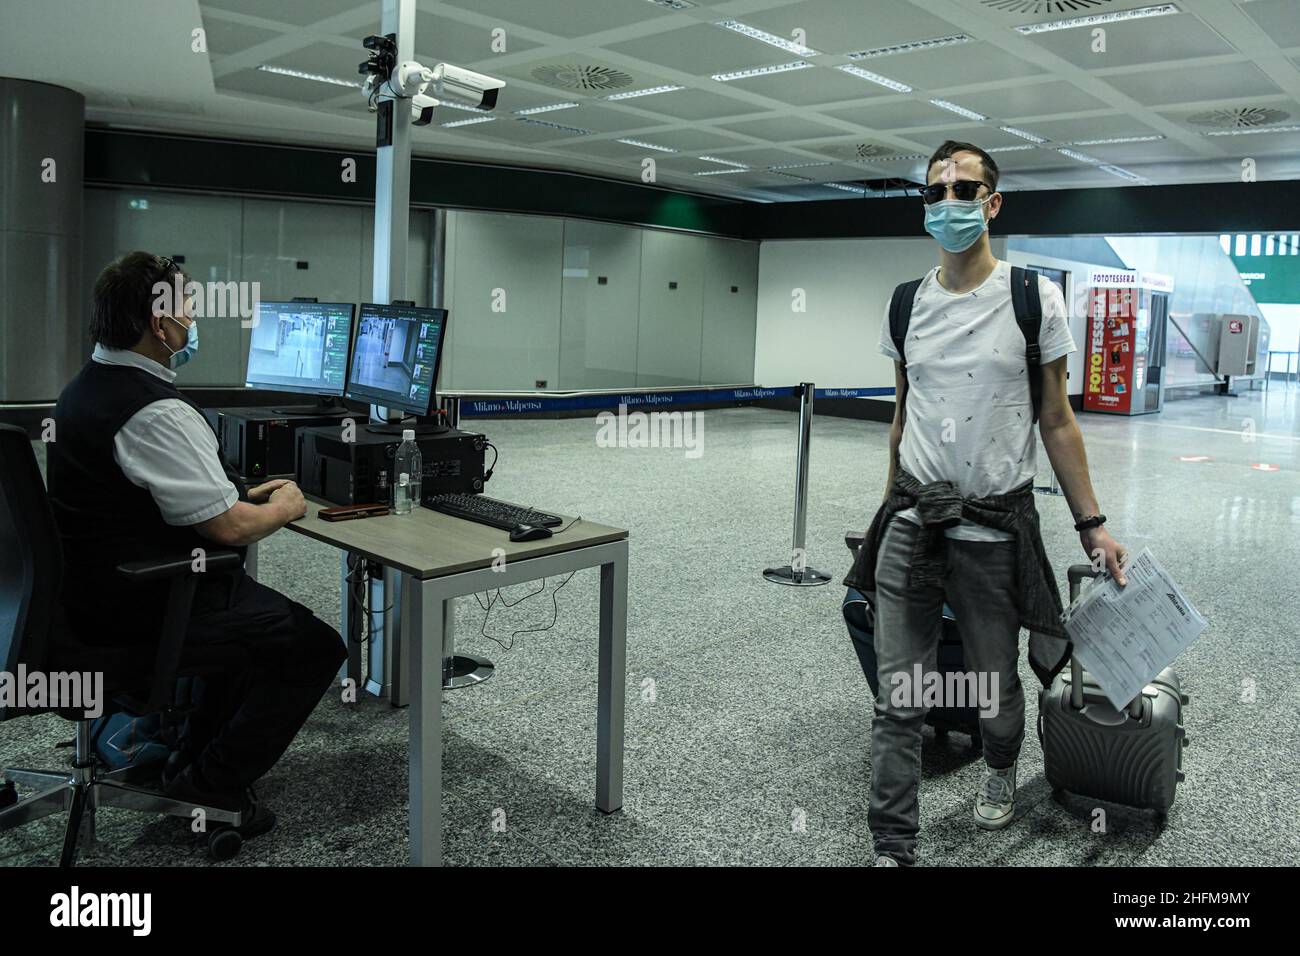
<point>980,585</point>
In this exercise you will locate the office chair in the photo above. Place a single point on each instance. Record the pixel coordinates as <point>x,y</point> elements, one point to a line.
<point>34,632</point>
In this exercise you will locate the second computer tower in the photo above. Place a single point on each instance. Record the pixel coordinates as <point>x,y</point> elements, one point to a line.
<point>344,467</point>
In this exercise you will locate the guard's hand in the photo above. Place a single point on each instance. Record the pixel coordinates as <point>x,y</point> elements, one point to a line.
<point>1101,548</point>
<point>289,497</point>
<point>263,491</point>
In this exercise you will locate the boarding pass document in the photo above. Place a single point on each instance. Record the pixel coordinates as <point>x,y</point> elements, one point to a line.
<point>1125,636</point>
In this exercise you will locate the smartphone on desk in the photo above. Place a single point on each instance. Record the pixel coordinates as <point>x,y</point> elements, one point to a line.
<point>348,512</point>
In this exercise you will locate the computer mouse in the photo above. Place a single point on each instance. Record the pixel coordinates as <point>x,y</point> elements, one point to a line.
<point>529,532</point>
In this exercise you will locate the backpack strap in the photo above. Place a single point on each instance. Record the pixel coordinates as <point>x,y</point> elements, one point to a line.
<point>1029,316</point>
<point>900,317</point>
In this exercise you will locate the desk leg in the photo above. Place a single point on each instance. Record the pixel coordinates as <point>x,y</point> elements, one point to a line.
<point>428,609</point>
<point>347,610</point>
<point>612,682</point>
<point>250,561</point>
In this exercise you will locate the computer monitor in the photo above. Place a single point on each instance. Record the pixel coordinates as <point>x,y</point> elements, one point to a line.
<point>300,347</point>
<point>396,353</point>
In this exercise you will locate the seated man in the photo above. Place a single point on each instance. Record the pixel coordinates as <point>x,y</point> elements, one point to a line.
<point>134,472</point>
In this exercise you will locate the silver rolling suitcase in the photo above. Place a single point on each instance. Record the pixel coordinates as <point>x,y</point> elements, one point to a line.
<point>1132,756</point>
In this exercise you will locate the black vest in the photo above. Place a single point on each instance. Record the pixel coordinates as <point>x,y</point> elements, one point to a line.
<point>104,520</point>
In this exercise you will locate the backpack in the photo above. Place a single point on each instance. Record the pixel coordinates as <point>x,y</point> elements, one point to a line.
<point>1029,316</point>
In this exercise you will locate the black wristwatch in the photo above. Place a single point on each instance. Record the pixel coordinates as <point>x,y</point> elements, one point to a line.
<point>1092,521</point>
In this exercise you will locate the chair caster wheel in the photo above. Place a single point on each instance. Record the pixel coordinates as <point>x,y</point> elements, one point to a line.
<point>224,844</point>
<point>8,794</point>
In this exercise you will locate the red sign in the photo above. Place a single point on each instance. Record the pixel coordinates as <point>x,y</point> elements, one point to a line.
<point>1234,326</point>
<point>1262,466</point>
<point>1110,372</point>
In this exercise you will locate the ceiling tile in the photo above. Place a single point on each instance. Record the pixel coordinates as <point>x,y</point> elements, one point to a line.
<point>225,37</point>
<point>301,13</point>
<point>895,114</point>
<point>701,49</point>
<point>952,67</point>
<point>1181,85</point>
<point>1133,42</point>
<point>812,87</point>
<point>783,129</point>
<point>288,88</point>
<point>1030,99</point>
<point>844,26</point>
<point>1280,19</point>
<point>442,38</point>
<point>564,19</point>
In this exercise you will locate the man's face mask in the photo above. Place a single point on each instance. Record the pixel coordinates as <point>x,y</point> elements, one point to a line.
<point>187,351</point>
<point>956,224</point>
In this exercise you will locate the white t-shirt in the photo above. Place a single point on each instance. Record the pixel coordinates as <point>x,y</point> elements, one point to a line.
<point>169,450</point>
<point>969,419</point>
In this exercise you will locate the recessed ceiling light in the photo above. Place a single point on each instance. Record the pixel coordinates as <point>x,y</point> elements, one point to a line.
<point>720,172</point>
<point>299,74</point>
<point>645,145</point>
<point>1081,157</point>
<point>1123,173</point>
<point>1250,132</point>
<point>468,122</point>
<point>723,162</point>
<point>545,109</point>
<point>845,187</point>
<point>673,4</point>
<point>782,166</point>
<point>651,91</point>
<point>762,71</point>
<point>910,47</point>
<point>563,129</point>
<point>777,172</point>
<point>1099,19</point>
<point>1114,141</point>
<point>1010,149</point>
<point>876,78</point>
<point>1032,137</point>
<point>959,110</point>
<point>744,29</point>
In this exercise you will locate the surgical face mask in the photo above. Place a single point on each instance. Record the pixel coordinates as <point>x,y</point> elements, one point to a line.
<point>191,346</point>
<point>956,224</point>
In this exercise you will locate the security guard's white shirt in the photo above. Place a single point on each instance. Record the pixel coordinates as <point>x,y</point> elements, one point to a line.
<point>169,450</point>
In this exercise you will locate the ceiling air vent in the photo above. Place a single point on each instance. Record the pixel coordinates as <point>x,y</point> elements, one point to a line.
<point>1038,7</point>
<point>588,78</point>
<point>1238,117</point>
<point>860,152</point>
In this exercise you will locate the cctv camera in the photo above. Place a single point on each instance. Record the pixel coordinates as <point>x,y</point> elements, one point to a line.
<point>422,108</point>
<point>466,86</point>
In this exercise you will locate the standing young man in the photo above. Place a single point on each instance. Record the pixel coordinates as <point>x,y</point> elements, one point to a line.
<point>958,522</point>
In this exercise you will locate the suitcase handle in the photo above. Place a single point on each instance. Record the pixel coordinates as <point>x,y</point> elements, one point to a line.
<point>1076,575</point>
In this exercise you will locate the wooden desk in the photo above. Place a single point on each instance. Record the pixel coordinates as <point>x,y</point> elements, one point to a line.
<point>432,559</point>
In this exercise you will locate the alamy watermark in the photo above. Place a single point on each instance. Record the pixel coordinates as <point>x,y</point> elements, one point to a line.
<point>65,690</point>
<point>921,688</point>
<point>651,430</point>
<point>219,300</point>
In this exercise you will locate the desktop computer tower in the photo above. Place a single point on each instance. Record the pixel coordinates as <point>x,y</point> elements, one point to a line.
<point>347,472</point>
<point>259,443</point>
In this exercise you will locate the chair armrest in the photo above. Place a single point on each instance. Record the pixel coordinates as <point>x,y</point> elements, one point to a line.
<point>853,540</point>
<point>162,569</point>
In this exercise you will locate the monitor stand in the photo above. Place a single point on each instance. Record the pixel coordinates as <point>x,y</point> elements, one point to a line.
<point>324,407</point>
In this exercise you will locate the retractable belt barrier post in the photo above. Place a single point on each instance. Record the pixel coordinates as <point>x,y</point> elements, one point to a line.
<point>797,573</point>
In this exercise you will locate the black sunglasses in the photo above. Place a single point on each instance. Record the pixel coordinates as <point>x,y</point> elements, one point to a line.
<point>963,189</point>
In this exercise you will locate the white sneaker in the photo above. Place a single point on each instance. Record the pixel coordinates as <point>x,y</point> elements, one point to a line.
<point>886,861</point>
<point>995,804</point>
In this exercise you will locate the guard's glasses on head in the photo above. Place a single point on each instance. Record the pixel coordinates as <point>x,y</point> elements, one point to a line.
<point>963,189</point>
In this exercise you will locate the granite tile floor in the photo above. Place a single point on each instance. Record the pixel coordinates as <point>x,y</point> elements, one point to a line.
<point>747,714</point>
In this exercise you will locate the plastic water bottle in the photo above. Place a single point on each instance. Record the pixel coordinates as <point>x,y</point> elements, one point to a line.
<point>410,463</point>
<point>402,495</point>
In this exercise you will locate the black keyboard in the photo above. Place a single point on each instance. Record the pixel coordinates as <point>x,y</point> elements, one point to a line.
<point>489,511</point>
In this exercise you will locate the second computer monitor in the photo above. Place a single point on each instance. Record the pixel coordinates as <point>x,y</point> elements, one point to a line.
<point>396,353</point>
